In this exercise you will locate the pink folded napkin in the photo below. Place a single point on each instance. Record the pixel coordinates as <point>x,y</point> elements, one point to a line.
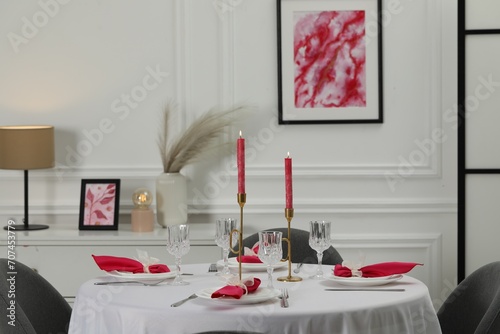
<point>250,255</point>
<point>110,263</point>
<point>236,291</point>
<point>248,259</point>
<point>376,270</point>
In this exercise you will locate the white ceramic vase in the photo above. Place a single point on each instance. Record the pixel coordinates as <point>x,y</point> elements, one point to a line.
<point>171,199</point>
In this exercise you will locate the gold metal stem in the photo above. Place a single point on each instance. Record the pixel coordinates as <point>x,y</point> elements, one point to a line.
<point>242,198</point>
<point>289,278</point>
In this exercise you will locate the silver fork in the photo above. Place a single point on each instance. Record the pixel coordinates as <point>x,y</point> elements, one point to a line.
<point>129,282</point>
<point>284,297</point>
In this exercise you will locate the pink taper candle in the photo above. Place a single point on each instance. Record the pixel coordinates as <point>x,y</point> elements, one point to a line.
<point>240,150</point>
<point>288,182</point>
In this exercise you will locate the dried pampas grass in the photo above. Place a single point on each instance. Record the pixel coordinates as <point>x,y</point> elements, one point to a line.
<point>203,136</point>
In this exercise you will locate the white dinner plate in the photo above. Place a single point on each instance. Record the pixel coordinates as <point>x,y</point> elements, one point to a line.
<point>251,266</point>
<point>140,276</point>
<point>365,281</point>
<point>259,296</point>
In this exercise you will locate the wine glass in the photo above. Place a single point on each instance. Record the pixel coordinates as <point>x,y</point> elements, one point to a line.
<point>319,240</point>
<point>270,252</point>
<point>178,245</point>
<point>223,228</point>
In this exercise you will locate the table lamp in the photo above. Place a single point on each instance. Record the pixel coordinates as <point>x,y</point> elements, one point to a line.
<point>142,215</point>
<point>26,147</point>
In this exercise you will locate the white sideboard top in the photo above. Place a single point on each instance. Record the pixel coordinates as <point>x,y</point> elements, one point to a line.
<point>68,234</point>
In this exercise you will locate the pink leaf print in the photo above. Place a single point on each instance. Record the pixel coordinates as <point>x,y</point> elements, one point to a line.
<point>106,200</point>
<point>99,214</point>
<point>90,195</point>
<point>98,199</point>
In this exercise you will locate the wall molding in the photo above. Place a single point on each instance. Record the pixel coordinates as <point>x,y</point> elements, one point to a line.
<point>428,244</point>
<point>256,172</point>
<point>346,206</point>
<point>432,102</point>
<point>226,50</point>
<point>183,58</point>
<point>334,206</point>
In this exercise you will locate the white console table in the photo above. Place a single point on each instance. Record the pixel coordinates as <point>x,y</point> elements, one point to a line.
<point>62,253</point>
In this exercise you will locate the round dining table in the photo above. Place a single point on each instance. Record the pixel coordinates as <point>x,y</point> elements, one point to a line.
<point>402,306</point>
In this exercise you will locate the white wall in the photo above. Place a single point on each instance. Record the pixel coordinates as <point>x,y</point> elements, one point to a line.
<point>389,189</point>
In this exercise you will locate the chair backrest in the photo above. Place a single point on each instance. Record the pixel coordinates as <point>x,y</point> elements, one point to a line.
<point>301,251</point>
<point>474,305</point>
<point>16,321</point>
<point>39,307</point>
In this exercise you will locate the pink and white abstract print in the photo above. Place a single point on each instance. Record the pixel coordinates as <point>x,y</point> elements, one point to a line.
<point>329,59</point>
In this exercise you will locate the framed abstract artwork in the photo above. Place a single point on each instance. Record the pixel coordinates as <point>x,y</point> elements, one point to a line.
<point>99,204</point>
<point>329,61</point>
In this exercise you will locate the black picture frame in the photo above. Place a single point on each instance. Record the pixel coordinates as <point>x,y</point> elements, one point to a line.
<point>337,87</point>
<point>101,212</point>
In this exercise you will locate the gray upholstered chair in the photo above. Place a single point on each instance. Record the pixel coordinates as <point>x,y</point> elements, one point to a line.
<point>39,307</point>
<point>301,251</point>
<point>474,305</point>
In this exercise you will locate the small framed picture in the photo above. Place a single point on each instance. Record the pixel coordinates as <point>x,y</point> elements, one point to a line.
<point>99,204</point>
<point>329,61</point>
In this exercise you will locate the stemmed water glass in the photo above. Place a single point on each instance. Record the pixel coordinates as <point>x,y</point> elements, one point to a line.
<point>223,228</point>
<point>178,245</point>
<point>270,252</point>
<point>319,240</point>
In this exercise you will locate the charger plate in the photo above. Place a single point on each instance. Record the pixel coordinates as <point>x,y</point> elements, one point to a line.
<point>145,277</point>
<point>259,296</point>
<point>365,281</point>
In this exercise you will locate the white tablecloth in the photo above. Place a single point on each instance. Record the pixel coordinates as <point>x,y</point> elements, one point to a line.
<point>138,309</point>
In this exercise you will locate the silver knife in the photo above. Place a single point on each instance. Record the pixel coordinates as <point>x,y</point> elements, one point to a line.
<point>180,302</point>
<point>362,289</point>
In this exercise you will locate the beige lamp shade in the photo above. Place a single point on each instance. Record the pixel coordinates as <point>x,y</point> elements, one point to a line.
<point>26,147</point>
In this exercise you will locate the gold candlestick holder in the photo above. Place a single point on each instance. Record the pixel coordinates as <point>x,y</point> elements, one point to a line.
<point>289,278</point>
<point>242,198</point>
